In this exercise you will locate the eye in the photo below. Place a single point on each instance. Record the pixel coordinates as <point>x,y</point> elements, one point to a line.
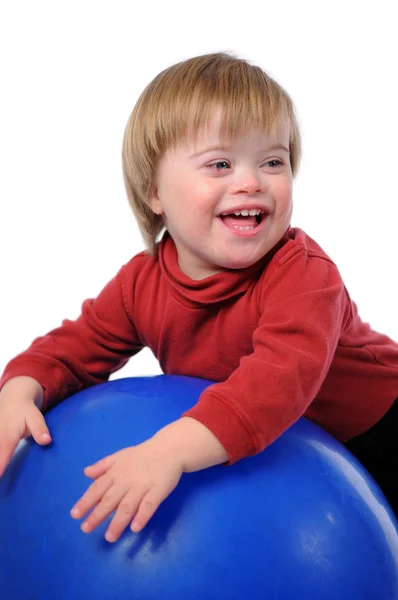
<point>275,160</point>
<point>220,162</point>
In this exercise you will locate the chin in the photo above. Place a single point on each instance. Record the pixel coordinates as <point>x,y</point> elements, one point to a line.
<point>240,263</point>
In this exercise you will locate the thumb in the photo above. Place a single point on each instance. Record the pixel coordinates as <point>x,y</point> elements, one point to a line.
<point>37,426</point>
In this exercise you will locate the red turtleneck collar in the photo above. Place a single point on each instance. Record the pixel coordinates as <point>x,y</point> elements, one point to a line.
<point>212,289</point>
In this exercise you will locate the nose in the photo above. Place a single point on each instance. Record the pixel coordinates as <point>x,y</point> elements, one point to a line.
<point>248,182</point>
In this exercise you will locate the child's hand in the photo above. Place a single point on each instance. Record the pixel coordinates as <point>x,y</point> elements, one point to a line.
<point>20,417</point>
<point>134,481</point>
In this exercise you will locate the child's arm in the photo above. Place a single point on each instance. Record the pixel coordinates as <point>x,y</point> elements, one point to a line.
<point>136,480</point>
<point>84,352</point>
<point>305,309</point>
<point>76,355</point>
<point>197,447</point>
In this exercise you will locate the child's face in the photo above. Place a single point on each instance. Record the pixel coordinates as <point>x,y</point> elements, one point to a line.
<point>192,192</point>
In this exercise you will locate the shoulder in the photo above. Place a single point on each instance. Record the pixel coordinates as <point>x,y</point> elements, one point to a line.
<point>298,247</point>
<point>140,270</point>
<point>139,281</point>
<point>143,261</point>
<point>300,264</point>
<point>302,280</point>
<point>298,243</point>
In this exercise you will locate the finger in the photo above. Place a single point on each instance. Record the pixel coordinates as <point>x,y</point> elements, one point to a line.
<point>99,468</point>
<point>124,514</point>
<point>91,497</point>
<point>37,426</point>
<point>147,507</point>
<point>107,504</point>
<point>7,448</point>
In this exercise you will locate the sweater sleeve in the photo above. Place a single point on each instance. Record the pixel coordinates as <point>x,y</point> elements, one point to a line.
<point>304,306</point>
<point>84,352</point>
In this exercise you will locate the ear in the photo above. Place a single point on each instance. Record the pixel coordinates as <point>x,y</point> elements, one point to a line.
<point>154,201</point>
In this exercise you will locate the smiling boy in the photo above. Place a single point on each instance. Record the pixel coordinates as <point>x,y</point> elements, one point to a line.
<point>231,293</point>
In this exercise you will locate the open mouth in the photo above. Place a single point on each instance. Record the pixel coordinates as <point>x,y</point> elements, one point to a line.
<point>243,220</point>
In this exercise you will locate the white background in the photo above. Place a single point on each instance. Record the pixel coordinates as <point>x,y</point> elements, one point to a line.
<point>71,73</point>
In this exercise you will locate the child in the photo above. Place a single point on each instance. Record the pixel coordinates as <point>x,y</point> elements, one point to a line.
<point>231,293</point>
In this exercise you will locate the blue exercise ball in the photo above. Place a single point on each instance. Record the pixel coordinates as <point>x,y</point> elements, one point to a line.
<point>300,520</point>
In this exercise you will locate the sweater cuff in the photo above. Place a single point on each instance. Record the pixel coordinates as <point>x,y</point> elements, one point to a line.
<point>44,375</point>
<point>226,425</point>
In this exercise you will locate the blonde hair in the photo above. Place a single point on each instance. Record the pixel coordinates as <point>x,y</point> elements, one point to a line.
<point>180,100</point>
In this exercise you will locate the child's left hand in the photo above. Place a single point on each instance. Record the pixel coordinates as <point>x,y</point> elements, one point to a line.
<point>134,481</point>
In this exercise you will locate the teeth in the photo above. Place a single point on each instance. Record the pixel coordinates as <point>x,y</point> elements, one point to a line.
<point>245,213</point>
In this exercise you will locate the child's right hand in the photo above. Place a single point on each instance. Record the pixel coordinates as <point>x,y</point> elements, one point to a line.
<point>20,416</point>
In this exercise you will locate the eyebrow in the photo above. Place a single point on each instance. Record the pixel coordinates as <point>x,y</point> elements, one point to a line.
<point>210,148</point>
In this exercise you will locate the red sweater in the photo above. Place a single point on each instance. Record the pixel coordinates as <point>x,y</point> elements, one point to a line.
<point>281,339</point>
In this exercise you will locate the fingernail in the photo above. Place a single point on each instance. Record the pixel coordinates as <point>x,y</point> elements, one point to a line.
<point>135,526</point>
<point>45,437</point>
<point>75,513</point>
<point>110,537</point>
<point>85,527</point>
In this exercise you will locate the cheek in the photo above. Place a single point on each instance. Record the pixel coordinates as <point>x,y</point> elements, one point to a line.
<point>284,196</point>
<point>199,197</point>
<point>188,192</point>
<point>206,197</point>
<point>202,188</point>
